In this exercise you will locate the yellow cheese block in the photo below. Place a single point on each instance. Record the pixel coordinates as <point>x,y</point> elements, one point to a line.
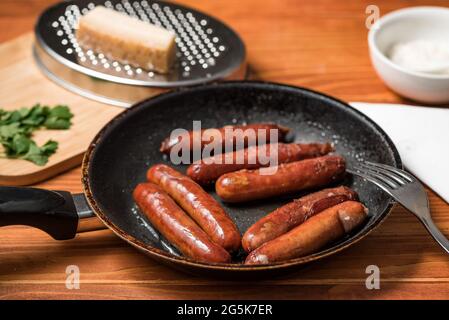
<point>127,39</point>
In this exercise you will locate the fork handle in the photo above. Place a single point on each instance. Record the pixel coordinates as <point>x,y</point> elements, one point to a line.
<point>435,232</point>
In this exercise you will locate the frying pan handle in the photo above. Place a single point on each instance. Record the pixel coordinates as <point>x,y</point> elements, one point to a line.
<point>58,213</point>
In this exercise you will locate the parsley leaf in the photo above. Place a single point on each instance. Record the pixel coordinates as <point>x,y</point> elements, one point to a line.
<point>40,155</point>
<point>59,118</point>
<point>20,144</point>
<point>17,126</point>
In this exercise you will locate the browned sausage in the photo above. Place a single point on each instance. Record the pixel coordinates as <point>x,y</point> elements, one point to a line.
<point>309,237</point>
<point>175,225</point>
<point>292,214</point>
<point>208,170</point>
<point>200,205</point>
<point>247,134</point>
<point>245,185</point>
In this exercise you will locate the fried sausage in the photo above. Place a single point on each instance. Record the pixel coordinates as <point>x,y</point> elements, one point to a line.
<point>245,185</point>
<point>293,214</point>
<point>251,134</point>
<point>311,236</point>
<point>200,205</point>
<point>176,226</point>
<point>208,170</point>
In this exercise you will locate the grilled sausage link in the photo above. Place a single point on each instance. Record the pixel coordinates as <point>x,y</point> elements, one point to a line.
<point>200,205</point>
<point>252,134</point>
<point>208,170</point>
<point>293,214</point>
<point>176,226</point>
<point>245,185</point>
<point>311,236</point>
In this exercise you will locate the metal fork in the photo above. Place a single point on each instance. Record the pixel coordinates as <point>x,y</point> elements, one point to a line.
<point>406,190</point>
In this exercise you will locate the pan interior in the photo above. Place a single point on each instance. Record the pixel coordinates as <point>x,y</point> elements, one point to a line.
<point>130,144</point>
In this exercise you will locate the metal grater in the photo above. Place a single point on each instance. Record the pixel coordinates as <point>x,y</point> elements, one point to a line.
<point>207,51</point>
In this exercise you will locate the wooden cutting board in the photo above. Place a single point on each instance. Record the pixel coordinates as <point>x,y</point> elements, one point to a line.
<point>22,85</point>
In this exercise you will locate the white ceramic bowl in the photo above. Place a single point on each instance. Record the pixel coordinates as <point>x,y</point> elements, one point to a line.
<point>429,23</point>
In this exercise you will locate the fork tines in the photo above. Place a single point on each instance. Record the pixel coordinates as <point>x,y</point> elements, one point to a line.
<point>384,176</point>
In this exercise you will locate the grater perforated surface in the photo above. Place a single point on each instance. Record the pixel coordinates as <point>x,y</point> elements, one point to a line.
<point>207,49</point>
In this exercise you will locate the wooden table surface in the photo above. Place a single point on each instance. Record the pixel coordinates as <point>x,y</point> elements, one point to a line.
<point>320,44</point>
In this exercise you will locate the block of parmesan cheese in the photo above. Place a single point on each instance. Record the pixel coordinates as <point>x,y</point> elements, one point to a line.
<point>127,39</point>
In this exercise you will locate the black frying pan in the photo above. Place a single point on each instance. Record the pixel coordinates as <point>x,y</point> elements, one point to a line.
<point>120,154</point>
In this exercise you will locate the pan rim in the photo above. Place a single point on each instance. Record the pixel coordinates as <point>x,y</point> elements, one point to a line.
<point>236,267</point>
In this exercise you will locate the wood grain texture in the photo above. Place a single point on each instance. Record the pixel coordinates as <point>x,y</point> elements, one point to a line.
<point>23,84</point>
<point>320,44</point>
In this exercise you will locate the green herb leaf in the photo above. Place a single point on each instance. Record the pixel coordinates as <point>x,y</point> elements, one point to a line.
<point>49,147</point>
<point>59,118</point>
<point>10,130</point>
<point>20,144</point>
<point>35,155</point>
<point>17,126</point>
<point>40,155</point>
<point>57,123</point>
<point>61,111</point>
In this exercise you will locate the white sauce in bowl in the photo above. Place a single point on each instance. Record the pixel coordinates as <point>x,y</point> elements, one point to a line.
<point>422,56</point>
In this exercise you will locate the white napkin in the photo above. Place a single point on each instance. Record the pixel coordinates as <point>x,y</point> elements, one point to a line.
<point>421,135</point>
